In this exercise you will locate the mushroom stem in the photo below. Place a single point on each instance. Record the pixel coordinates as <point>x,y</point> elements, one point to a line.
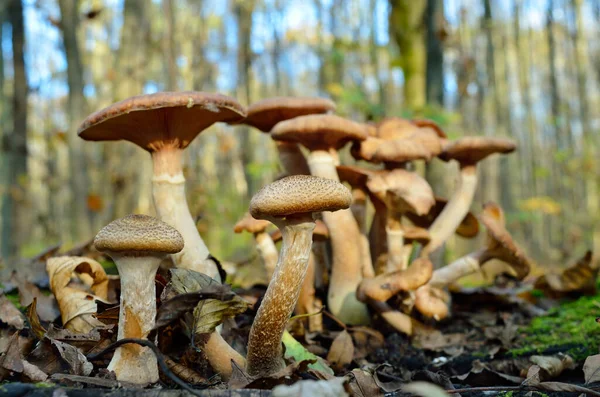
<point>395,243</point>
<point>400,321</point>
<point>322,265</point>
<point>307,300</point>
<point>377,232</point>
<point>359,210</point>
<point>346,266</point>
<point>220,354</point>
<point>267,251</point>
<point>457,208</point>
<point>131,362</point>
<point>168,191</point>
<point>292,159</point>
<point>461,267</point>
<point>264,343</point>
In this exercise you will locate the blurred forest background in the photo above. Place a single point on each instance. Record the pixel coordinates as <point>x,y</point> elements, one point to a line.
<point>527,69</point>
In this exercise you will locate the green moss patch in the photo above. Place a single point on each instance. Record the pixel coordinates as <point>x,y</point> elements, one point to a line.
<point>570,328</point>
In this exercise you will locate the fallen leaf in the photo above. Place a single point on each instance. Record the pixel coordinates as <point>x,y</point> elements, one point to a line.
<point>341,351</point>
<point>78,363</point>
<point>309,388</point>
<point>481,375</point>
<point>11,359</point>
<point>77,302</point>
<point>424,389</point>
<point>33,372</point>
<point>47,308</point>
<point>184,373</point>
<point>34,320</point>
<point>591,369</point>
<point>294,350</point>
<point>10,315</point>
<point>552,366</point>
<point>363,384</point>
<point>581,277</point>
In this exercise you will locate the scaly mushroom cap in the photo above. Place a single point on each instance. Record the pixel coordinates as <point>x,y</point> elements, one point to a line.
<point>472,149</point>
<point>141,233</point>
<point>266,113</point>
<point>424,123</point>
<point>320,131</point>
<point>250,225</point>
<point>401,151</point>
<point>321,232</point>
<point>500,244</point>
<point>150,120</point>
<point>408,191</point>
<point>468,228</point>
<point>357,177</point>
<point>393,128</point>
<point>298,194</point>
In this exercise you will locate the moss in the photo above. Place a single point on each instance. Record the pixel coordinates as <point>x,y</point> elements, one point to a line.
<point>570,327</point>
<point>14,299</point>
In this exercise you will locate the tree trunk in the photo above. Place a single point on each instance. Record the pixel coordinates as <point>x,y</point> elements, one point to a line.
<point>408,31</point>
<point>76,209</point>
<point>14,143</point>
<point>169,45</point>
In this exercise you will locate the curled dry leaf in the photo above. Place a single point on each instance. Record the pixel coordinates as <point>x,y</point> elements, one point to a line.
<point>34,320</point>
<point>309,388</point>
<point>552,366</point>
<point>209,313</point>
<point>591,369</point>
<point>77,306</point>
<point>12,363</point>
<point>9,314</point>
<point>341,351</point>
<point>363,384</point>
<point>47,308</point>
<point>581,277</point>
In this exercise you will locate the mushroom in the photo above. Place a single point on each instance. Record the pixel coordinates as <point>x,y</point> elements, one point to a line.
<point>137,244</point>
<point>468,228</point>
<point>499,245</point>
<point>164,124</point>
<point>321,134</point>
<point>265,114</point>
<point>468,151</point>
<point>290,204</point>
<point>401,191</point>
<point>264,243</point>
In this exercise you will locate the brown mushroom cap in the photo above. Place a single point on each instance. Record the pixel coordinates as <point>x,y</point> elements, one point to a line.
<point>401,151</point>
<point>299,194</point>
<point>468,228</point>
<point>320,131</point>
<point>357,177</point>
<point>393,128</point>
<point>472,149</point>
<point>321,232</point>
<point>364,150</point>
<point>409,191</point>
<point>250,225</point>
<point>500,244</point>
<point>266,113</point>
<point>425,123</point>
<point>140,233</point>
<point>429,139</point>
<point>416,234</point>
<point>148,120</point>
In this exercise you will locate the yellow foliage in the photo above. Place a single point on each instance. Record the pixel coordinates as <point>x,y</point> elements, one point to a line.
<point>335,89</point>
<point>543,204</point>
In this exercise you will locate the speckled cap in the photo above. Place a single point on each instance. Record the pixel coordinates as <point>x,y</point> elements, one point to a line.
<point>266,113</point>
<point>298,194</point>
<point>250,225</point>
<point>500,244</point>
<point>472,149</point>
<point>141,233</point>
<point>400,151</point>
<point>149,120</point>
<point>320,131</point>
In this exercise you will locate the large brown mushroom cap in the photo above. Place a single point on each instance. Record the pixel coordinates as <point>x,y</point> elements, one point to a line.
<point>401,151</point>
<point>266,113</point>
<point>468,228</point>
<point>393,128</point>
<point>299,194</point>
<point>472,149</point>
<point>416,234</point>
<point>500,243</point>
<point>250,225</point>
<point>320,131</point>
<point>357,177</point>
<point>148,120</point>
<point>408,191</point>
<point>430,124</point>
<point>141,233</point>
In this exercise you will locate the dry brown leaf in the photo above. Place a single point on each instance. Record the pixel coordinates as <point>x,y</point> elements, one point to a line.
<point>341,352</point>
<point>309,388</point>
<point>77,306</point>
<point>10,315</point>
<point>34,320</point>
<point>591,369</point>
<point>580,277</point>
<point>362,384</point>
<point>47,309</point>
<point>552,366</point>
<point>12,363</point>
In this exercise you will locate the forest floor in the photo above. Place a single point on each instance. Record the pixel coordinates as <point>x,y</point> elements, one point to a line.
<point>509,339</point>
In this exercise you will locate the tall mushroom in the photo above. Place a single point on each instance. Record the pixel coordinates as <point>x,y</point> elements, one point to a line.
<point>468,151</point>
<point>137,244</point>
<point>165,124</point>
<point>289,203</point>
<point>264,243</point>
<point>265,114</point>
<point>322,134</point>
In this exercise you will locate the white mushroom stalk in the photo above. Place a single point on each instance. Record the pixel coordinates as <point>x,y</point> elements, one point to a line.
<point>268,252</point>
<point>168,191</point>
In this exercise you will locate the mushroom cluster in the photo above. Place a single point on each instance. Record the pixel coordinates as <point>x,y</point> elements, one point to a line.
<point>358,263</point>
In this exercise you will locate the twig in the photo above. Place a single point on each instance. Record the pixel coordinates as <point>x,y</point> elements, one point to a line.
<point>335,319</point>
<point>160,358</point>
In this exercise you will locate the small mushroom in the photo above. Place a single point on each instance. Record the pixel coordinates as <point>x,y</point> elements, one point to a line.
<point>499,245</point>
<point>264,243</point>
<point>468,151</point>
<point>322,134</point>
<point>164,124</point>
<point>137,244</point>
<point>290,204</point>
